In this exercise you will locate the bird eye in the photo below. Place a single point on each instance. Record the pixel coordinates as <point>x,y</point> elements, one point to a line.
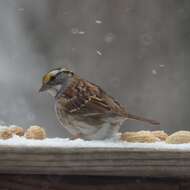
<point>52,78</point>
<point>47,78</point>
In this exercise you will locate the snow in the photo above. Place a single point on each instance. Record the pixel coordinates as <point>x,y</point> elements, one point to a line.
<point>98,22</point>
<point>77,31</point>
<point>79,143</point>
<point>109,37</point>
<point>154,72</point>
<point>162,65</point>
<point>98,52</point>
<point>81,32</point>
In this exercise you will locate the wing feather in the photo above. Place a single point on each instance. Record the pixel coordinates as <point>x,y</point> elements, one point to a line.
<point>91,100</point>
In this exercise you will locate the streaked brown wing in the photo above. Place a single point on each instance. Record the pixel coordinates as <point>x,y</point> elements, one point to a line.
<point>89,99</point>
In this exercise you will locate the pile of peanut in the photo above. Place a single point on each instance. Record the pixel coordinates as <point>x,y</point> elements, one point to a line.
<point>33,132</point>
<point>36,132</point>
<point>178,137</point>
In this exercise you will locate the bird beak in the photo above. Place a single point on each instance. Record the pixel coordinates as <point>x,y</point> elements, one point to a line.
<point>43,88</point>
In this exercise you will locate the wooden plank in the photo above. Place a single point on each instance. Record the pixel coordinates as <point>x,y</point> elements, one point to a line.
<point>184,185</point>
<point>95,161</point>
<point>41,182</point>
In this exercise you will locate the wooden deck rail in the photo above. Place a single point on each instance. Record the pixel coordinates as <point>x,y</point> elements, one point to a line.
<point>128,162</point>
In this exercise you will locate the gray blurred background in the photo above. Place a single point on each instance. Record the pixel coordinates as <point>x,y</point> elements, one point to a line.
<point>137,50</point>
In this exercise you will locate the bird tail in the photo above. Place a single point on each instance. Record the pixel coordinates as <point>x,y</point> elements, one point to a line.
<point>138,118</point>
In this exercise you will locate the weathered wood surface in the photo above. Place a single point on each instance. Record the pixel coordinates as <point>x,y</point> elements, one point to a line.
<point>94,161</point>
<point>53,182</point>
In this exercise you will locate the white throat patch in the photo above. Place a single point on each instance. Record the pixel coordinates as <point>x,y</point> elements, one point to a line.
<point>54,90</point>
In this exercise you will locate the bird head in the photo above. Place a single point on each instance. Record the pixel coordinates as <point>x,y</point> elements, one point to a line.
<point>55,80</point>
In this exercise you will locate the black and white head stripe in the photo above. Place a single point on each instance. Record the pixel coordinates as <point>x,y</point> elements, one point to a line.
<point>53,73</point>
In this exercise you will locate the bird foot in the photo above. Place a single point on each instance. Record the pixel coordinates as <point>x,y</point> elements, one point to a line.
<point>77,136</point>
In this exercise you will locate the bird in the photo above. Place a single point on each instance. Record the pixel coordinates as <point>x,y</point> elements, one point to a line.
<point>83,108</point>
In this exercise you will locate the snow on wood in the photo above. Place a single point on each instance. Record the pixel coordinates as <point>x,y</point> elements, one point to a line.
<point>78,157</point>
<point>79,143</point>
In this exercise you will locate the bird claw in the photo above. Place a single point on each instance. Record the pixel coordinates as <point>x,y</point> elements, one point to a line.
<point>77,136</point>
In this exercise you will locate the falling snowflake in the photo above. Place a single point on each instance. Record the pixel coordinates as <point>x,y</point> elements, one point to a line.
<point>81,32</point>
<point>162,65</point>
<point>109,37</point>
<point>98,22</point>
<point>98,52</point>
<point>74,30</point>
<point>77,31</point>
<point>154,72</point>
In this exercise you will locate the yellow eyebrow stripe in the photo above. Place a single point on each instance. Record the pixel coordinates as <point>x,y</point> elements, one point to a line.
<point>47,78</point>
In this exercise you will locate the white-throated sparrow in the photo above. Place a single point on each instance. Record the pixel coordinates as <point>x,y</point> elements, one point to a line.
<point>83,108</point>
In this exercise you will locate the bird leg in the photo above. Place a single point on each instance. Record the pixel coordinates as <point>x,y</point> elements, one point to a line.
<point>76,136</point>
